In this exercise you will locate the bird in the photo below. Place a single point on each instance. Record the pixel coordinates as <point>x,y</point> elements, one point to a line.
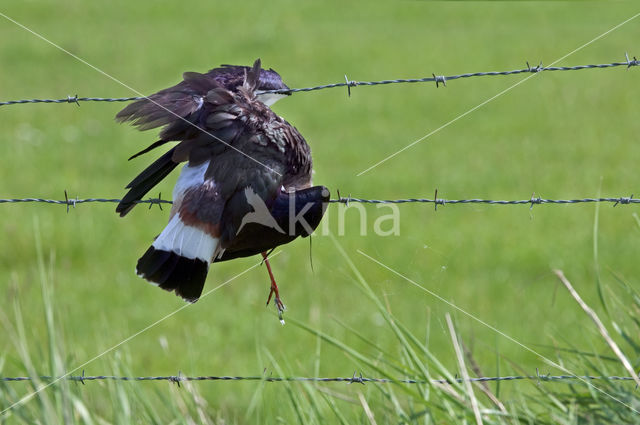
<point>246,187</point>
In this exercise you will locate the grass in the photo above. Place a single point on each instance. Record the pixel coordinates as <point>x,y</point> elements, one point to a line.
<point>576,401</point>
<point>560,135</point>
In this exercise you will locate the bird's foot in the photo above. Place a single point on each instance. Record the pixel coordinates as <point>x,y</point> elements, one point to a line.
<point>274,290</point>
<point>277,301</point>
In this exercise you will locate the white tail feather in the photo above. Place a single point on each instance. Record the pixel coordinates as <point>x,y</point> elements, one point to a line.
<point>186,241</point>
<point>189,176</point>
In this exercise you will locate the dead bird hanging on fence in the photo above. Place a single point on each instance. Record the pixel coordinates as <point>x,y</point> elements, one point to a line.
<point>246,187</point>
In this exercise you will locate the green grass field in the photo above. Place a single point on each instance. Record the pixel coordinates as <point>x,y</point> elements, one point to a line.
<point>558,135</point>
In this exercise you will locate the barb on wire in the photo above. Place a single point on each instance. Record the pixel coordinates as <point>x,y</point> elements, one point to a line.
<point>349,380</point>
<point>438,79</point>
<point>623,200</point>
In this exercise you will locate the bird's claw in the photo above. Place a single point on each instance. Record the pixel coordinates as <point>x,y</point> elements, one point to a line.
<point>278,302</point>
<point>281,308</point>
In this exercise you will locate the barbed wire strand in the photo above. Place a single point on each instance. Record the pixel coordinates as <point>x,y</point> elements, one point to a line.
<point>624,200</point>
<point>349,84</point>
<point>359,379</point>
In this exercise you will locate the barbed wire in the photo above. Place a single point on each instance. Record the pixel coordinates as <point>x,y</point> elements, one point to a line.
<point>442,79</point>
<point>349,84</point>
<point>624,200</point>
<point>71,99</point>
<point>355,379</point>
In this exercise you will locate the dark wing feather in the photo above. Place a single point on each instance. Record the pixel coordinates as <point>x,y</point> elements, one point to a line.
<point>148,148</point>
<point>178,108</point>
<point>145,181</point>
<point>162,108</point>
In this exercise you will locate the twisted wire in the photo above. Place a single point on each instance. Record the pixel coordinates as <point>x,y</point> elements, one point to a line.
<point>72,202</point>
<point>72,99</point>
<point>438,79</point>
<point>442,79</point>
<point>532,201</point>
<point>349,380</point>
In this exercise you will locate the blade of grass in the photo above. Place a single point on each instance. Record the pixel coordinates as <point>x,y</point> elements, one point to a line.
<point>389,394</point>
<point>353,354</point>
<point>56,364</point>
<point>329,401</point>
<point>255,403</point>
<point>463,370</point>
<point>296,402</point>
<point>483,386</point>
<point>366,408</point>
<point>596,263</point>
<point>387,358</point>
<point>601,328</point>
<point>400,335</point>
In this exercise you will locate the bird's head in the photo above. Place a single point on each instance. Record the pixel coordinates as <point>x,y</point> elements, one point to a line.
<point>232,76</point>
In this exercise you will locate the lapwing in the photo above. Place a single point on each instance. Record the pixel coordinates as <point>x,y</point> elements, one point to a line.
<point>246,184</point>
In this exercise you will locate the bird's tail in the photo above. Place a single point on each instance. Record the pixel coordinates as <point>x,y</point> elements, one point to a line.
<point>178,260</point>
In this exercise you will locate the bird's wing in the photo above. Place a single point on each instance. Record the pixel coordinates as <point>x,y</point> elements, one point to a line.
<point>170,105</point>
<point>178,109</point>
<point>234,134</point>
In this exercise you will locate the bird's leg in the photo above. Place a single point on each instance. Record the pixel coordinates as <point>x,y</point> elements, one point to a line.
<point>274,289</point>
